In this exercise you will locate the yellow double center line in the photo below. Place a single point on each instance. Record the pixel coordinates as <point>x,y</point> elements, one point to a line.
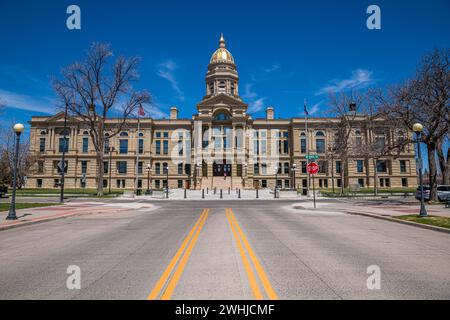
<point>243,246</point>
<point>184,252</point>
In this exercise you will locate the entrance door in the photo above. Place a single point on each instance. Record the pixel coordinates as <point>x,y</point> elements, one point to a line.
<point>221,169</point>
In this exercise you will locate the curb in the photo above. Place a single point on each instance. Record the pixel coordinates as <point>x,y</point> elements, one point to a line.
<point>410,223</point>
<point>27,223</point>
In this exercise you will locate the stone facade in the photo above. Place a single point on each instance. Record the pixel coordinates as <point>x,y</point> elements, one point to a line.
<point>222,147</point>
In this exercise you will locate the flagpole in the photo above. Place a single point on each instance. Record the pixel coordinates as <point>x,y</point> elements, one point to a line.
<point>137,155</point>
<point>307,146</point>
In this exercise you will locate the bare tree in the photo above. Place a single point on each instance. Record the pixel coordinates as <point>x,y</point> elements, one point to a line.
<point>424,99</point>
<point>345,108</point>
<point>25,161</point>
<point>92,91</point>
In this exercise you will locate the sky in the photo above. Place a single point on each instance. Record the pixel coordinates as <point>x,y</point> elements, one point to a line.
<point>285,51</point>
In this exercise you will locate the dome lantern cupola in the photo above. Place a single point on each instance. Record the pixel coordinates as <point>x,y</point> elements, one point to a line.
<point>222,77</point>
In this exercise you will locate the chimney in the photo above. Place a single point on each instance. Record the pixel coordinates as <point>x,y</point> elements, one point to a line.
<point>269,113</point>
<point>173,113</point>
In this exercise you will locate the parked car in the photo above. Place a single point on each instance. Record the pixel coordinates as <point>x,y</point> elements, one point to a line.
<point>3,191</point>
<point>443,193</point>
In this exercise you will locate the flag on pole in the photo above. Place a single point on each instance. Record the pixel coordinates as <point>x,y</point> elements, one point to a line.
<point>305,109</point>
<point>141,111</point>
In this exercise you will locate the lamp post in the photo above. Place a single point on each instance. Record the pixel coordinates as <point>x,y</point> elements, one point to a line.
<point>294,168</point>
<point>166,168</point>
<point>18,129</point>
<point>276,182</point>
<point>149,168</point>
<point>244,168</point>
<point>63,156</point>
<point>111,150</point>
<point>418,128</point>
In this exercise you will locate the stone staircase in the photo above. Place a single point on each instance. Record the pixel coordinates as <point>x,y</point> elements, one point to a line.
<point>221,183</point>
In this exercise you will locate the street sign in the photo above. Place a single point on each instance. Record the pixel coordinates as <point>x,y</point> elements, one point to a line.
<point>62,166</point>
<point>312,156</point>
<point>312,168</point>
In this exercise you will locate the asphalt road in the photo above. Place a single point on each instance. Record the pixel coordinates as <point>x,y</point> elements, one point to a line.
<point>258,249</point>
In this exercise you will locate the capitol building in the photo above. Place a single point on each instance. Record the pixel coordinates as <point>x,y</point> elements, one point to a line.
<point>221,146</point>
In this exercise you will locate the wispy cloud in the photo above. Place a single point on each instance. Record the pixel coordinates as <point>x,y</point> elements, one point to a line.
<point>272,68</point>
<point>26,102</point>
<point>166,71</point>
<point>155,112</point>
<point>256,103</point>
<point>313,109</point>
<point>360,78</point>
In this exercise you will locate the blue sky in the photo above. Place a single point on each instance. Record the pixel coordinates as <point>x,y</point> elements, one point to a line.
<point>286,51</point>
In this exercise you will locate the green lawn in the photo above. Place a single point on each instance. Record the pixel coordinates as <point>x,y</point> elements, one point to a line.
<point>5,206</point>
<point>367,191</point>
<point>71,192</point>
<point>443,222</point>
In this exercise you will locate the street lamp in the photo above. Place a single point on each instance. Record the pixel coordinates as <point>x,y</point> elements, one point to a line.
<point>276,181</point>
<point>166,168</point>
<point>294,168</point>
<point>18,129</point>
<point>418,128</point>
<point>63,156</point>
<point>111,150</point>
<point>149,168</point>
<point>244,167</point>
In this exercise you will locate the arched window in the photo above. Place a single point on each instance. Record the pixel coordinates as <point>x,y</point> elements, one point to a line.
<point>64,132</point>
<point>43,132</point>
<point>124,134</point>
<point>222,116</point>
<point>85,133</point>
<point>141,134</point>
<point>320,134</point>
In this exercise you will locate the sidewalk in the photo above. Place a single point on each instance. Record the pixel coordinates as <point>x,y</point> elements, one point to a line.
<point>42,214</point>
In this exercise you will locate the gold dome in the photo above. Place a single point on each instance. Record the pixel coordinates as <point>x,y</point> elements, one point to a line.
<point>222,54</point>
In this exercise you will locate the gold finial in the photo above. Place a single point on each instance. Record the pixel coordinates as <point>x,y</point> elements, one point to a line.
<point>222,41</point>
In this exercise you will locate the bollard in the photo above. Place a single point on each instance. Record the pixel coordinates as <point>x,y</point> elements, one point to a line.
<point>257,194</point>
<point>203,193</point>
<point>215,190</point>
<point>221,195</point>
<point>185,194</point>
<point>239,193</point>
<point>207,190</point>
<point>229,190</point>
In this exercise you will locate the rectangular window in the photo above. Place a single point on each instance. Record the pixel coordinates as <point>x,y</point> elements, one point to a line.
<point>361,183</point>
<point>123,146</point>
<point>42,145</point>
<point>360,166</point>
<point>158,134</point>
<point>338,167</point>
<point>41,167</point>
<point>85,144</point>
<point>303,145</point>
<point>403,166</point>
<point>304,167</point>
<point>140,167</point>
<point>157,184</point>
<point>106,146</point>
<point>320,146</point>
<point>56,183</point>
<point>157,168</point>
<point>122,167</point>
<point>180,147</point>
<point>187,168</point>
<point>264,183</point>
<point>180,184</point>
<point>158,146</point>
<point>165,134</point>
<point>166,147</point>
<point>286,168</point>
<point>381,166</point>
<point>139,184</point>
<point>105,183</point>
<point>84,166</point>
<point>105,167</point>
<point>285,146</point>
<point>404,182</point>
<point>180,168</point>
<point>141,146</point>
<point>286,184</point>
<point>63,144</point>
<point>39,183</point>
<point>256,168</point>
<point>323,166</point>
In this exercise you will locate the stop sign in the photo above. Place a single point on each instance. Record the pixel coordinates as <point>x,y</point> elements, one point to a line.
<point>312,168</point>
